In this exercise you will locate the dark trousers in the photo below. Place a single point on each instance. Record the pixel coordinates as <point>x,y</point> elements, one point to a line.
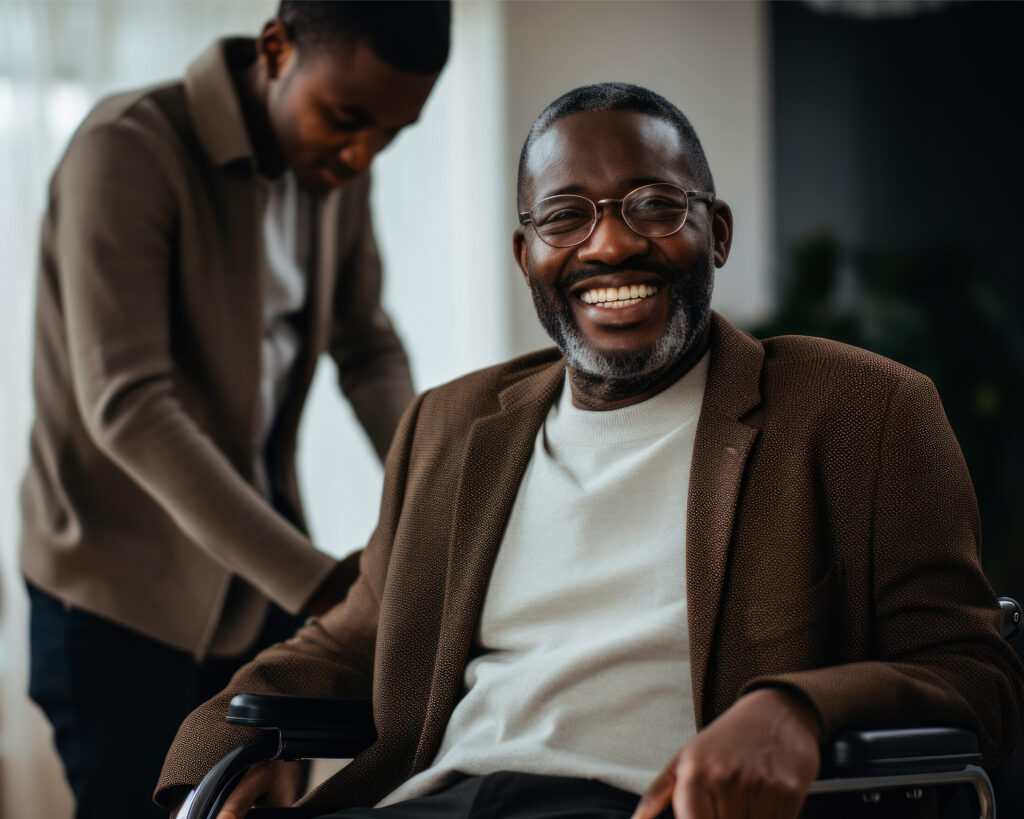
<point>115,700</point>
<point>507,795</point>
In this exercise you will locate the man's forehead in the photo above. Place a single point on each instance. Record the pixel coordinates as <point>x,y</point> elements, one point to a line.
<point>604,147</point>
<point>358,84</point>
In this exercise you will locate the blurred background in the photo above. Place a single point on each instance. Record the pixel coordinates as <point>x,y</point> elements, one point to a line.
<point>870,152</point>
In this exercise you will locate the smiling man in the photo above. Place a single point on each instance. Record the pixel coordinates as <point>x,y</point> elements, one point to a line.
<point>649,572</point>
<point>626,332</point>
<point>205,241</point>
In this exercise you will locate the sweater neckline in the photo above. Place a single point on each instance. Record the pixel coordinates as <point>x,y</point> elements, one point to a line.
<point>676,406</point>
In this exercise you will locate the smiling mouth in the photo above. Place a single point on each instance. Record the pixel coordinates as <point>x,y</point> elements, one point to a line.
<point>618,297</point>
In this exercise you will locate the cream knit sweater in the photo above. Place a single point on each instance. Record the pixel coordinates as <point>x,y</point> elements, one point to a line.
<point>584,665</point>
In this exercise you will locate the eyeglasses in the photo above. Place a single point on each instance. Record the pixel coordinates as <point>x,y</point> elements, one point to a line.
<point>654,211</point>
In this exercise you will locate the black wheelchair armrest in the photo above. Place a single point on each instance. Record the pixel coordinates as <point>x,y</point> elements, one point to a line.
<point>293,728</point>
<point>908,750</point>
<point>308,726</point>
<point>906,760</point>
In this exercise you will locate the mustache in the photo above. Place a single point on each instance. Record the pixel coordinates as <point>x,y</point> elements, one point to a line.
<point>667,272</point>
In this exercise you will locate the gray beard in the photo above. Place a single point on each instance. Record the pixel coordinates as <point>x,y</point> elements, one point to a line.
<point>689,315</point>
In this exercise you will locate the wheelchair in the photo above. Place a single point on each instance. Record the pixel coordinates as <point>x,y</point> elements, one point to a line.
<point>904,763</point>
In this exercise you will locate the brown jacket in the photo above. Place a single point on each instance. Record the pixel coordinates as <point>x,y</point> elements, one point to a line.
<point>831,545</point>
<point>137,504</point>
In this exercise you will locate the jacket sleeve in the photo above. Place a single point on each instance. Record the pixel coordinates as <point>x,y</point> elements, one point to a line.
<point>939,658</point>
<point>328,657</point>
<point>373,369</point>
<point>115,240</point>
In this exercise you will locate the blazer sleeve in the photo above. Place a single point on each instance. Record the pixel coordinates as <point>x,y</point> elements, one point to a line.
<point>939,658</point>
<point>373,370</point>
<point>328,657</point>
<point>116,221</point>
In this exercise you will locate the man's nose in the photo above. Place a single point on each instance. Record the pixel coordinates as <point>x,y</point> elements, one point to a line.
<point>613,241</point>
<point>359,152</point>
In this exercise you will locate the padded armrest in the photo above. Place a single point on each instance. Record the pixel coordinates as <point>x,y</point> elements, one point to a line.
<point>280,711</point>
<point>308,726</point>
<point>909,750</point>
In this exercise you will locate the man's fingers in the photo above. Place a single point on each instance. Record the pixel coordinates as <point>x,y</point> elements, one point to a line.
<point>691,802</point>
<point>286,786</point>
<point>657,797</point>
<point>256,782</point>
<point>733,802</point>
<point>789,803</point>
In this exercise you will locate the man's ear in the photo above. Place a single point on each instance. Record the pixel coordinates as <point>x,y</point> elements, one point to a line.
<point>519,251</point>
<point>721,230</point>
<point>275,48</point>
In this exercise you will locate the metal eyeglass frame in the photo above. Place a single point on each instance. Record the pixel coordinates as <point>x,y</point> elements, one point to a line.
<point>526,216</point>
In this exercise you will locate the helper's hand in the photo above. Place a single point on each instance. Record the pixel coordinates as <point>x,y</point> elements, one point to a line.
<point>335,586</point>
<point>271,784</point>
<point>755,761</point>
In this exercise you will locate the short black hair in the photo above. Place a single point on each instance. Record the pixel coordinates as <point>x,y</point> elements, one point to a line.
<point>618,96</point>
<point>410,35</point>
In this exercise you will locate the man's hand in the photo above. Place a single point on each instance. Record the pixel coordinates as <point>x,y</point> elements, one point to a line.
<point>755,761</point>
<point>272,784</point>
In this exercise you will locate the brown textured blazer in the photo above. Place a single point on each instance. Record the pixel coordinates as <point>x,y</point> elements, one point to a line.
<point>831,545</point>
<point>137,504</point>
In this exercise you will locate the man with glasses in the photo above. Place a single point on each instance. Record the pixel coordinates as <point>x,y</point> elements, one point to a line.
<point>649,572</point>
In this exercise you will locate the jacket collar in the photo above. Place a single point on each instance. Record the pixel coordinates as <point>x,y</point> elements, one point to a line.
<point>734,377</point>
<point>214,104</point>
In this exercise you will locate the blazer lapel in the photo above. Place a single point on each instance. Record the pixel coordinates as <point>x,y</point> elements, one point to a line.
<point>722,446</point>
<point>499,447</point>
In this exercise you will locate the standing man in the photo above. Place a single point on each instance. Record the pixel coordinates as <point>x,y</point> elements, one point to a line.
<point>204,242</point>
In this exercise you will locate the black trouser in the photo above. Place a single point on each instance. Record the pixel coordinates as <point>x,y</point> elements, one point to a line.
<point>507,795</point>
<point>116,698</point>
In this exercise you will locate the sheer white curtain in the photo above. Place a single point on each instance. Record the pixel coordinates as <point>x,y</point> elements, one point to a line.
<point>445,284</point>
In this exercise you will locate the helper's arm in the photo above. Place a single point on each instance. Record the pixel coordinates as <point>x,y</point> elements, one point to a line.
<point>330,657</point>
<point>115,241</point>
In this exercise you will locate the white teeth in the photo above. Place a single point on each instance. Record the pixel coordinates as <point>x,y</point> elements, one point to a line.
<point>618,296</point>
<point>624,302</point>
